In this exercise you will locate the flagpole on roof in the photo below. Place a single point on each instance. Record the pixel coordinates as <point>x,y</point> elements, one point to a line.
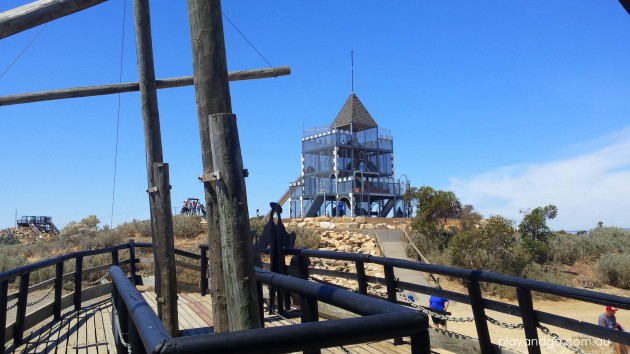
<point>352,69</point>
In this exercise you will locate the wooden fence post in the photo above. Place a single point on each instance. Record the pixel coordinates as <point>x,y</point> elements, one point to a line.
<point>476,303</point>
<point>78,276</point>
<point>18,333</point>
<point>530,323</point>
<point>58,290</point>
<point>4,289</point>
<point>132,262</point>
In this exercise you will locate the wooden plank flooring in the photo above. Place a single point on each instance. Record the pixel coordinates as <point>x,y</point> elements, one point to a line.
<point>90,329</point>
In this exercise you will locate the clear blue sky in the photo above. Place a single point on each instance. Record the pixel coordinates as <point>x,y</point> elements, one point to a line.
<point>510,104</point>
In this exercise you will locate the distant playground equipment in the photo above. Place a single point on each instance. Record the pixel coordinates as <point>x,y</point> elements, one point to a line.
<point>38,224</point>
<point>192,206</point>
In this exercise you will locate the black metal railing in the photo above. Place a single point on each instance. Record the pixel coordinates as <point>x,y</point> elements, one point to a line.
<point>531,318</point>
<point>75,283</point>
<point>139,330</point>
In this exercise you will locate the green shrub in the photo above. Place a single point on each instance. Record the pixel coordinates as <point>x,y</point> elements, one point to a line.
<point>187,226</point>
<point>258,225</point>
<point>135,228</point>
<point>305,238</point>
<point>568,249</point>
<point>614,269</point>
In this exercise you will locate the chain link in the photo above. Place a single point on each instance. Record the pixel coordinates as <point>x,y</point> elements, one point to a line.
<point>504,324</point>
<point>120,335</point>
<point>50,290</point>
<point>493,321</point>
<point>275,312</point>
<point>562,342</point>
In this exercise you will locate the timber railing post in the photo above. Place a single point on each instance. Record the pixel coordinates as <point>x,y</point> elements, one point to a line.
<point>261,302</point>
<point>203,283</point>
<point>390,282</point>
<point>123,320</point>
<point>4,289</point>
<point>78,275</point>
<point>476,303</point>
<point>58,290</point>
<point>361,277</point>
<point>115,257</point>
<point>530,323</point>
<point>421,343</point>
<point>132,261</point>
<point>18,333</point>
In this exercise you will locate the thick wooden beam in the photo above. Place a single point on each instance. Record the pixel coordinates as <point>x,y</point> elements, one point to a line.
<point>157,174</point>
<point>231,262</point>
<point>39,12</point>
<point>87,91</point>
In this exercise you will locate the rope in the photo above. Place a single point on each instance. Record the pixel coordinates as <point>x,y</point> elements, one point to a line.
<point>247,40</point>
<point>122,51</point>
<point>23,50</point>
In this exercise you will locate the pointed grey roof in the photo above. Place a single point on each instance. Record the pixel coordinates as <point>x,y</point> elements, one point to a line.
<point>353,112</point>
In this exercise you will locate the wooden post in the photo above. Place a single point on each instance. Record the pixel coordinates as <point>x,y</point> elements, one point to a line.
<point>361,278</point>
<point>208,85</point>
<point>161,217</point>
<point>530,323</point>
<point>4,289</point>
<point>58,290</point>
<point>230,256</point>
<point>36,13</point>
<point>78,278</point>
<point>238,263</point>
<point>132,261</point>
<point>18,330</point>
<point>476,303</point>
<point>391,283</point>
<point>161,199</point>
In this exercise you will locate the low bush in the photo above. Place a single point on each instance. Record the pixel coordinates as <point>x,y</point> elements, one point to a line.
<point>187,226</point>
<point>614,269</point>
<point>569,249</point>
<point>305,238</point>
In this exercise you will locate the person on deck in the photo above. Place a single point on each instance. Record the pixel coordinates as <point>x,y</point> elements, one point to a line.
<point>608,320</point>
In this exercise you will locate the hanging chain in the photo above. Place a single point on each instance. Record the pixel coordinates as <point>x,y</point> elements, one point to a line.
<point>562,342</point>
<point>504,324</point>
<point>48,292</point>
<point>120,335</point>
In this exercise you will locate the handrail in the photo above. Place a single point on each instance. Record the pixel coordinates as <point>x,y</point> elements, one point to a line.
<point>29,268</point>
<point>147,324</point>
<point>477,275</point>
<point>382,320</point>
<point>322,292</point>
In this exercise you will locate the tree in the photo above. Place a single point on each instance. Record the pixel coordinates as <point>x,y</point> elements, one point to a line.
<point>535,233</point>
<point>433,209</point>
<point>469,218</point>
<point>491,246</point>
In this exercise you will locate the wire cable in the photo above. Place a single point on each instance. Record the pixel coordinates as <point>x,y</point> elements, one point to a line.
<point>23,50</point>
<point>247,40</point>
<point>122,52</point>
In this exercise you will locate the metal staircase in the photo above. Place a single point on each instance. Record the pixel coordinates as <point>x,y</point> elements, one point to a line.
<point>313,209</point>
<point>387,208</point>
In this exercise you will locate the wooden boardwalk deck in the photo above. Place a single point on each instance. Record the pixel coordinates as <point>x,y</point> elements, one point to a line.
<point>90,329</point>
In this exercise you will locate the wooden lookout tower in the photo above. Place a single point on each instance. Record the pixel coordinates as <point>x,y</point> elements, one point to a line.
<point>348,169</point>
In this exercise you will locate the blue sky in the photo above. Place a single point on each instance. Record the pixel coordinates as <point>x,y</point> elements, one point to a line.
<point>510,104</point>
